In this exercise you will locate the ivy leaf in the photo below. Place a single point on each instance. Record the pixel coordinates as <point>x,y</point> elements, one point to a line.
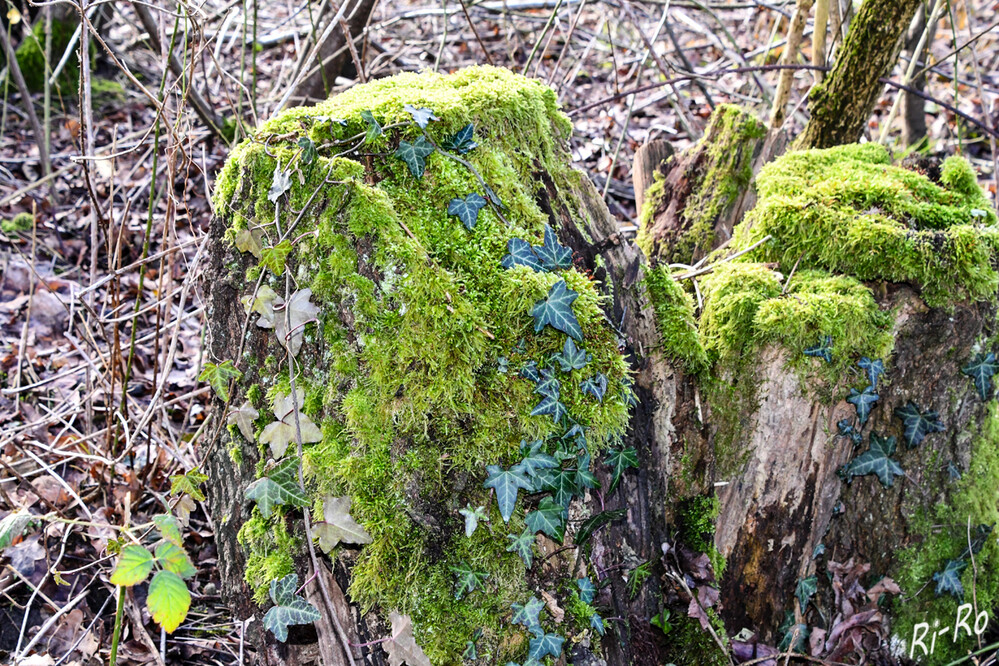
<point>806,590</point>
<point>494,198</point>
<point>981,368</point>
<point>620,460</point>
<point>547,384</point>
<point>218,377</point>
<point>300,312</point>
<point>374,129</point>
<point>421,116</point>
<point>536,460</point>
<point>415,155</point>
<point>562,484</point>
<point>282,433</point>
<point>530,371</point>
<point>288,608</point>
<point>338,525</point>
<point>552,254</point>
<point>953,471</point>
<point>280,486</point>
<point>877,460</point>
<point>595,386</point>
<point>280,183</point>
<point>274,258</point>
<point>523,545</point>
<point>249,240</point>
<point>13,526</point>
<point>468,579</point>
<point>874,370</point>
<point>472,518</point>
<point>168,600</point>
<point>587,590</point>
<point>520,254</point>
<point>863,401</point>
<point>982,533</point>
<point>243,417</point>
<point>308,150</point>
<point>846,429</point>
<point>822,350</point>
<point>549,518</point>
<point>188,483</point>
<point>556,311</point>
<point>174,558</point>
<point>593,523</point>
<point>507,484</point>
<point>134,565</point>
<point>529,615</point>
<point>470,653</point>
<point>550,406</point>
<point>949,580</point>
<point>818,551</point>
<point>467,209</point>
<point>597,624</point>
<point>571,357</point>
<point>462,142</point>
<point>401,646</point>
<point>546,644</point>
<point>168,528</point>
<point>586,479</point>
<point>263,303</point>
<point>918,424</point>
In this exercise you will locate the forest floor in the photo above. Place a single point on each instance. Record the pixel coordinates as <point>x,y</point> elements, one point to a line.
<point>101,306</point>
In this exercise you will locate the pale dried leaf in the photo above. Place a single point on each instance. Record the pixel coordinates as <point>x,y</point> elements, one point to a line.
<point>402,647</point>
<point>243,418</point>
<point>339,525</point>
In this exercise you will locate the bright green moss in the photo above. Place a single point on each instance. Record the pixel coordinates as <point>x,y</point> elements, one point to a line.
<point>696,523</point>
<point>674,309</point>
<point>401,371</point>
<point>31,57</point>
<point>270,551</point>
<point>847,210</point>
<point>653,197</point>
<point>945,537</point>
<point>20,223</point>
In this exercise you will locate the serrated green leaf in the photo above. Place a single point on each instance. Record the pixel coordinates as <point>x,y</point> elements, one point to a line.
<point>572,357</point>
<point>529,615</point>
<point>620,460</point>
<point>13,526</point>
<point>134,565</point>
<point>805,591</point>
<point>467,209</point>
<point>587,590</point>
<point>949,579</point>
<point>288,608</point>
<point>218,377</point>
<point>280,486</point>
<point>548,518</point>
<point>553,255</point>
<point>595,386</point>
<point>555,310</point>
<point>374,128</point>
<point>468,581</point>
<point>173,557</point>
<point>877,460</point>
<point>863,401</point>
<point>546,644</point>
<point>274,258</point>
<point>506,483</point>
<point>168,600</point>
<point>593,523</point>
<point>981,369</point>
<point>169,528</point>
<point>918,424</point>
<point>523,545</point>
<point>421,116</point>
<point>472,518</point>
<point>462,142</point>
<point>822,350</point>
<point>520,253</point>
<point>415,155</point>
<point>188,483</point>
<point>874,369</point>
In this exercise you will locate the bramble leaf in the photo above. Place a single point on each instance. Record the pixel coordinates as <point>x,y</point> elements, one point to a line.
<point>874,369</point>
<point>134,565</point>
<point>415,155</point>
<point>571,357</point>
<point>620,460</point>
<point>374,129</point>
<point>506,483</point>
<point>552,254</point>
<point>949,580</point>
<point>822,350</point>
<point>549,518</point>
<point>468,579</point>
<point>918,424</point>
<point>288,608</point>
<point>863,401</point>
<point>421,116</point>
<point>529,615</point>
<point>555,310</point>
<point>401,646</point>
<point>472,518</point>
<point>168,528</point>
<point>274,258</point>
<point>595,386</point>
<point>523,545</point>
<point>520,253</point>
<point>806,590</point>
<point>280,486</point>
<point>174,558</point>
<point>338,525</point>
<point>218,377</point>
<point>876,460</point>
<point>188,483</point>
<point>467,209</point>
<point>462,142</point>
<point>168,600</point>
<point>981,368</point>
<point>587,590</point>
<point>243,417</point>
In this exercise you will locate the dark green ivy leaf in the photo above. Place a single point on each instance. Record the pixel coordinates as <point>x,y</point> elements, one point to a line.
<point>529,615</point>
<point>288,608</point>
<point>468,579</point>
<point>374,129</point>
<point>535,460</point>
<point>595,386</point>
<point>494,198</point>
<point>530,371</point>
<point>822,350</point>
<point>462,142</point>
<point>918,424</point>
<point>981,368</point>
<point>949,580</point>
<point>547,384</point>
<point>819,551</point>
<point>620,460</point>
<point>877,460</point>
<point>549,518</point>
<point>520,254</point>
<point>467,209</point>
<point>571,357</point>
<point>470,654</point>
<point>597,624</point>
<point>546,644</point>
<point>421,116</point>
<point>587,589</point>
<point>586,479</point>
<point>806,590</point>
<point>308,150</point>
<point>507,483</point>
<point>556,311</point>
<point>280,486</point>
<point>523,545</point>
<point>846,429</point>
<point>415,155</point>
<point>550,406</point>
<point>593,523</point>
<point>552,254</point>
<point>863,401</point>
<point>874,369</point>
<point>982,533</point>
<point>561,483</point>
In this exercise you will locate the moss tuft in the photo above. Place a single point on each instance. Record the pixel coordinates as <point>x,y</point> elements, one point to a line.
<point>270,549</point>
<point>674,309</point>
<point>30,56</point>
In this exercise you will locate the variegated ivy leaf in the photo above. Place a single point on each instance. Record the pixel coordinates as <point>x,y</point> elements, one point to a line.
<point>555,310</point>
<point>863,401</point>
<point>546,644</point>
<point>280,183</point>
<point>218,377</point>
<point>620,460</point>
<point>243,417</point>
<point>506,483</point>
<point>520,253</point>
<point>472,518</point>
<point>467,209</point>
<point>401,646</point>
<point>282,433</point>
<point>876,460</point>
<point>421,116</point>
<point>374,129</point>
<point>296,314</point>
<point>468,581</point>
<point>415,155</point>
<point>523,545</point>
<point>918,424</point>
<point>552,254</point>
<point>595,386</point>
<point>278,487</point>
<point>288,609</point>
<point>338,525</point>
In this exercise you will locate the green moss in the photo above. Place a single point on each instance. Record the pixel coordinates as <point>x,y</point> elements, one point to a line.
<point>18,224</point>
<point>944,529</point>
<point>653,198</point>
<point>674,309</point>
<point>848,210</point>
<point>690,645</point>
<point>400,369</point>
<point>270,551</point>
<point>696,524</point>
<point>30,56</point>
